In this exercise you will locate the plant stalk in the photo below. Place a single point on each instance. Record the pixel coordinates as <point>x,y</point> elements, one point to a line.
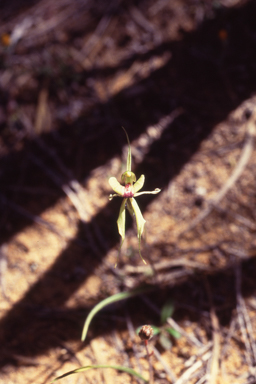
<point>151,377</point>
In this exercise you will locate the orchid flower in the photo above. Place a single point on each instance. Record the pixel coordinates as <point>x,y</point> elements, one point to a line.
<point>128,192</point>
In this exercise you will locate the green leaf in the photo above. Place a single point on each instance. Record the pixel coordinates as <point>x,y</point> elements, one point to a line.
<point>117,367</point>
<point>167,311</point>
<point>116,186</point>
<point>139,184</point>
<point>165,341</point>
<point>129,155</point>
<point>140,221</point>
<point>109,300</point>
<point>173,332</point>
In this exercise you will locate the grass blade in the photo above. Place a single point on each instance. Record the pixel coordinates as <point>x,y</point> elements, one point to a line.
<point>109,300</point>
<point>87,367</point>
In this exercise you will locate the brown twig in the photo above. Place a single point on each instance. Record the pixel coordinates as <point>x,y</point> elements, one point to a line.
<point>245,323</point>
<point>243,161</point>
<point>202,380</point>
<point>74,197</point>
<point>165,265</point>
<point>166,367</point>
<point>3,267</point>
<point>214,365</point>
<point>36,219</point>
<point>190,371</point>
<point>229,335</point>
<point>239,218</point>
<point>198,355</point>
<point>132,337</point>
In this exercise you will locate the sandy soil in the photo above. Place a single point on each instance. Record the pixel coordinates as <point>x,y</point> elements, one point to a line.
<point>180,76</point>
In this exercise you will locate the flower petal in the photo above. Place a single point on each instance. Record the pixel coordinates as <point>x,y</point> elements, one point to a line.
<point>139,184</point>
<point>114,195</point>
<point>140,221</point>
<point>121,224</point>
<point>116,186</point>
<point>157,190</point>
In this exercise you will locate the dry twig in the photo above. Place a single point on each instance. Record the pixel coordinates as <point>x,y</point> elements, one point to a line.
<point>132,335</point>
<point>243,161</point>
<point>166,367</point>
<point>182,262</point>
<point>245,324</point>
<point>3,268</point>
<point>74,197</point>
<point>214,366</point>
<point>36,219</point>
<point>190,371</point>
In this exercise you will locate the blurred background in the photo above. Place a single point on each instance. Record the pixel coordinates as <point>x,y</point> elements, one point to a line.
<point>180,76</point>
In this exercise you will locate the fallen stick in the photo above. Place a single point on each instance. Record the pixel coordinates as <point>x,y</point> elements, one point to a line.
<point>243,161</point>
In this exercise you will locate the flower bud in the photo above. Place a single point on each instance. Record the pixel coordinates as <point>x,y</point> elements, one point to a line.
<point>146,332</point>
